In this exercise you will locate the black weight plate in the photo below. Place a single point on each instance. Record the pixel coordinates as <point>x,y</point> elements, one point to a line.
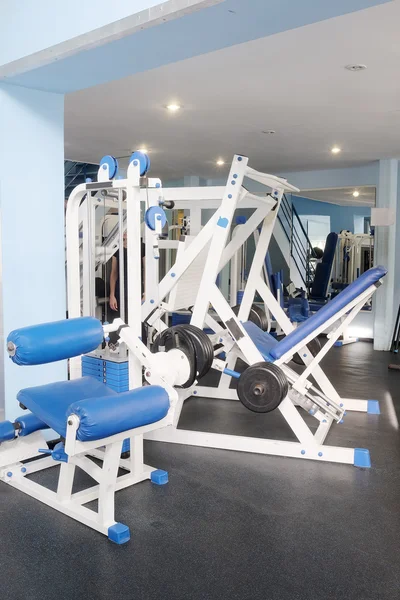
<point>203,346</point>
<point>262,387</point>
<point>257,310</point>
<point>171,338</point>
<point>256,316</point>
<point>314,347</point>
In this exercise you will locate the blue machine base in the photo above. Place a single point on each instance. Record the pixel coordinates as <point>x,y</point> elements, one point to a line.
<point>119,533</point>
<point>362,458</point>
<point>159,477</point>
<point>373,407</point>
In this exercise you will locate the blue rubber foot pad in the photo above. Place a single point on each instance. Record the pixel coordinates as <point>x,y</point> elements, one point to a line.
<point>119,533</point>
<point>373,407</point>
<point>159,477</point>
<point>362,458</point>
<point>338,344</point>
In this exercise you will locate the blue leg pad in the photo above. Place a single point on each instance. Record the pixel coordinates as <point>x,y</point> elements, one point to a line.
<point>373,407</point>
<point>159,477</point>
<point>338,344</point>
<point>362,458</point>
<point>119,533</point>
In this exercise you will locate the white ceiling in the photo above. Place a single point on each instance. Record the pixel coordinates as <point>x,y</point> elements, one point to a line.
<point>293,82</point>
<point>343,196</point>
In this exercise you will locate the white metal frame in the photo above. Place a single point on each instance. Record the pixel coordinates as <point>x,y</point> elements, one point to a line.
<point>327,406</point>
<point>164,369</point>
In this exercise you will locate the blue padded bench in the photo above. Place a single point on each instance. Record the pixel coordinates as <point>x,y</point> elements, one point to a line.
<point>101,411</point>
<point>272,350</point>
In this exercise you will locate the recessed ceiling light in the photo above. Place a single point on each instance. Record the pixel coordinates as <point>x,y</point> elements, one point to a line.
<point>336,150</point>
<point>269,131</point>
<point>356,67</point>
<point>173,107</point>
<point>356,193</point>
<point>143,150</point>
<point>220,162</point>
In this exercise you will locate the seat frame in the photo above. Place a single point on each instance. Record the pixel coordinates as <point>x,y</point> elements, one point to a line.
<point>16,462</point>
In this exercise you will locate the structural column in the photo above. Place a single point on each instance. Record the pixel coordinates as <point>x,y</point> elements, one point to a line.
<point>385,303</point>
<point>32,228</point>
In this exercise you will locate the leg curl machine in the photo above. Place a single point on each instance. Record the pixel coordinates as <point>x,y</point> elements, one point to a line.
<point>91,419</point>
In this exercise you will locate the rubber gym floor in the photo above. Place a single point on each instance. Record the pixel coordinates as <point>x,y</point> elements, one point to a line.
<point>232,525</point>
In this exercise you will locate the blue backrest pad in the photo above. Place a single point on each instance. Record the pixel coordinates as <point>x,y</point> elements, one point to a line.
<point>323,269</point>
<point>329,310</point>
<point>50,342</point>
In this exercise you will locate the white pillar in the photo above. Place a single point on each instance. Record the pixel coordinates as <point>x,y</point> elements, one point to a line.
<point>385,307</point>
<point>32,228</point>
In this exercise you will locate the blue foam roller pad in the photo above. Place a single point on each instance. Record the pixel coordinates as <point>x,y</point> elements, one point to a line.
<point>50,342</point>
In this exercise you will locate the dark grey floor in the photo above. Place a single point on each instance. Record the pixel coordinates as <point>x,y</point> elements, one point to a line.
<point>229,525</point>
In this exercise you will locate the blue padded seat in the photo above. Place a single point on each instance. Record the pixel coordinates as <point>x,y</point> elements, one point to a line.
<point>330,309</point>
<point>102,411</point>
<point>262,339</point>
<point>274,351</point>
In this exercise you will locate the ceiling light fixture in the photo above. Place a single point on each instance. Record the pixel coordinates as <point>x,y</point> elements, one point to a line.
<point>143,150</point>
<point>173,107</point>
<point>220,162</point>
<point>356,193</point>
<point>336,150</point>
<point>356,67</point>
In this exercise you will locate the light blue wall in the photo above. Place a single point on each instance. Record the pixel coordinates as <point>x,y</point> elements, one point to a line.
<point>321,179</point>
<point>27,27</point>
<point>32,223</point>
<point>331,178</point>
<point>342,217</point>
<point>197,33</point>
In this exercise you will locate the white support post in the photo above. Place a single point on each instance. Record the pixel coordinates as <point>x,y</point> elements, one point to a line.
<point>257,265</point>
<point>219,239</point>
<point>386,303</point>
<point>134,267</point>
<point>108,483</point>
<point>136,457</point>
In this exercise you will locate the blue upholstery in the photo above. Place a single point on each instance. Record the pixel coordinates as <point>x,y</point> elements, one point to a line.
<point>319,288</point>
<point>330,309</point>
<point>100,415</point>
<point>101,418</point>
<point>272,350</point>
<point>262,339</point>
<point>323,269</point>
<point>298,309</point>
<point>7,431</point>
<point>50,402</point>
<point>50,342</point>
<point>29,423</point>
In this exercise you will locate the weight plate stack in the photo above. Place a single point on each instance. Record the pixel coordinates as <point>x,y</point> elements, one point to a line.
<point>256,316</point>
<point>194,343</point>
<point>262,387</point>
<point>203,346</point>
